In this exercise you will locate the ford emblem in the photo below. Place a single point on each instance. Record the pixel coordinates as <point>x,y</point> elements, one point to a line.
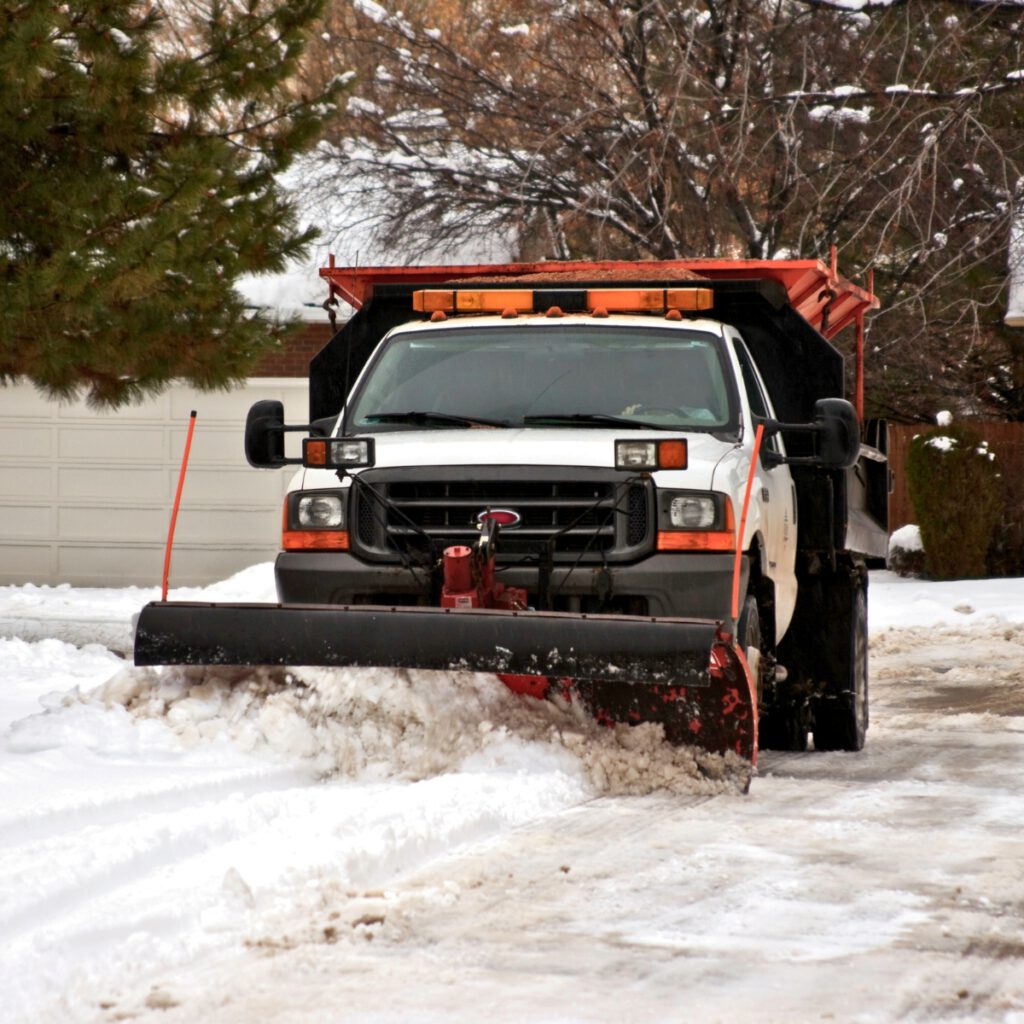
<point>506,518</point>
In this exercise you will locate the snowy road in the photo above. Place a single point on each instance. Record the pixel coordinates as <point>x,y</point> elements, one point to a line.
<point>427,848</point>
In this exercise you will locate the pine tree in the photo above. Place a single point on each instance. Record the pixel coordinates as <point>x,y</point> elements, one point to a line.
<point>140,154</point>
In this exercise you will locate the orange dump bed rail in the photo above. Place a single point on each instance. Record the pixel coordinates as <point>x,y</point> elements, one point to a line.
<point>825,299</point>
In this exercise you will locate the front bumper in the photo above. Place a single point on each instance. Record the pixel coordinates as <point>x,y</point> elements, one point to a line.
<point>688,585</point>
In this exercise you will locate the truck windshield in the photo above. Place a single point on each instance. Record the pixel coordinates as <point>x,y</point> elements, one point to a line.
<point>571,375</point>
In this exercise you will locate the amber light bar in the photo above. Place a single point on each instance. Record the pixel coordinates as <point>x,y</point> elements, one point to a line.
<point>568,300</point>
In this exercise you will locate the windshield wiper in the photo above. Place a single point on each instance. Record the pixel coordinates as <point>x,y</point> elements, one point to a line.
<point>444,418</point>
<point>592,419</point>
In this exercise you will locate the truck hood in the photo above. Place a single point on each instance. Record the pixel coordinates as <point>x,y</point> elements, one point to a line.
<point>529,447</point>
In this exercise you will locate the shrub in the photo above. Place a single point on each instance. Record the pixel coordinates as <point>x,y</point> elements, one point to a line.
<point>957,494</point>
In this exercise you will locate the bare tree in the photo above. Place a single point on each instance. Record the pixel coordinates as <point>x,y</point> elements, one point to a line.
<point>674,128</point>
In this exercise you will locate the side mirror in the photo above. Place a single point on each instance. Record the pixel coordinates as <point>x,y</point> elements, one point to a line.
<point>264,441</point>
<point>264,435</point>
<point>838,433</point>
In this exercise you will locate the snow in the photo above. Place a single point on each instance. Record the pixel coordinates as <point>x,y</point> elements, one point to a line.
<point>358,105</point>
<point>121,40</point>
<point>372,10</point>
<point>827,112</point>
<point>906,538</point>
<point>940,442</point>
<point>1015,306</point>
<point>902,603</point>
<point>275,845</point>
<point>858,5</point>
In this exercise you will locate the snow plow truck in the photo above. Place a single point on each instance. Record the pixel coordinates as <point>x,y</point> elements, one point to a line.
<point>636,485</point>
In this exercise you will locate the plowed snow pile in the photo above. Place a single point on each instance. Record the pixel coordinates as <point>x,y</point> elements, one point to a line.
<point>411,724</point>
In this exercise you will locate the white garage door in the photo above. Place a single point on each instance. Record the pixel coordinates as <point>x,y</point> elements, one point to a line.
<point>86,496</point>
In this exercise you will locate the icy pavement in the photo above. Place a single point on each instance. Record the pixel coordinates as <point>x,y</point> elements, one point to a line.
<point>422,847</point>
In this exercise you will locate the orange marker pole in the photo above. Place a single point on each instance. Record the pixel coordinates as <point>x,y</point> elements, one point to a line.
<point>177,503</point>
<point>737,564</point>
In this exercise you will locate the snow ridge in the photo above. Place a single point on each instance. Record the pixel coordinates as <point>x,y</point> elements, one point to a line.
<point>410,725</point>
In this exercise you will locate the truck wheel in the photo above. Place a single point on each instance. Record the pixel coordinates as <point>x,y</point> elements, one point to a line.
<point>781,725</point>
<point>841,713</point>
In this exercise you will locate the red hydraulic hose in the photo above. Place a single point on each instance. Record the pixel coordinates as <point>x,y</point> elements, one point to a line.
<point>177,503</point>
<point>738,563</point>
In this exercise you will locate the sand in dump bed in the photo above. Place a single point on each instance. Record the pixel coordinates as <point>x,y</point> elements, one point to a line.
<point>556,276</point>
<point>409,724</point>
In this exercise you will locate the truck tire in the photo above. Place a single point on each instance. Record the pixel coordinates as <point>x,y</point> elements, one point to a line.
<point>749,638</point>
<point>781,725</point>
<point>841,713</point>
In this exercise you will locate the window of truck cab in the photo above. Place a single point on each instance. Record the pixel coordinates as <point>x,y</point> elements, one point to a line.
<point>671,377</point>
<point>756,394</point>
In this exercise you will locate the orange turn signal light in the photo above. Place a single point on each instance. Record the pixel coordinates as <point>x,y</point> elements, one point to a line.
<point>672,455</point>
<point>696,540</point>
<point>314,540</point>
<point>315,452</point>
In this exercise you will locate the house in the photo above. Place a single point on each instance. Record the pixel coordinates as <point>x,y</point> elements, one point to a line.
<point>86,495</point>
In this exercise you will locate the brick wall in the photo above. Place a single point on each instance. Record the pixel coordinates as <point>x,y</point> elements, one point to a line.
<point>293,358</point>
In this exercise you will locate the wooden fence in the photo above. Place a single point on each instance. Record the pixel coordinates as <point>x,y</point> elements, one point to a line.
<point>1005,439</point>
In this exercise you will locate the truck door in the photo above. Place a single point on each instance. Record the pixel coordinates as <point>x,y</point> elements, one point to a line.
<point>777,494</point>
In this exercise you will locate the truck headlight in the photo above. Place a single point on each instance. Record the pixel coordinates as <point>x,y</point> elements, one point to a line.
<point>695,521</point>
<point>314,521</point>
<point>692,512</point>
<point>320,512</point>
<point>347,451</point>
<point>636,455</point>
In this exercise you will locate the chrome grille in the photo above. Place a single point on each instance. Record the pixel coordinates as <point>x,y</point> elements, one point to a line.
<point>583,518</point>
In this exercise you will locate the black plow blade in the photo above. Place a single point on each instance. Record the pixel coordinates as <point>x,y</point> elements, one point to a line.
<point>631,669</point>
